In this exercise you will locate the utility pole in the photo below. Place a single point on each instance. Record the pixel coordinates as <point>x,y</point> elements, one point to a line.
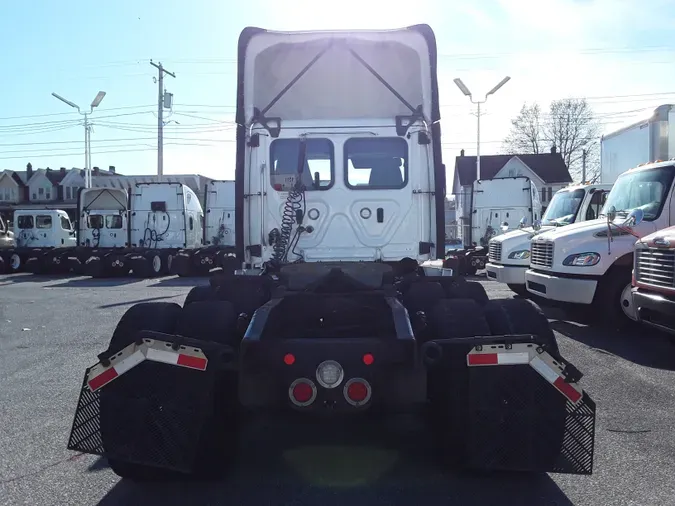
<point>583,166</point>
<point>160,116</point>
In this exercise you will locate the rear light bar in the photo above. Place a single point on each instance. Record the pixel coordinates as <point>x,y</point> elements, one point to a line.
<point>150,349</point>
<point>526,354</point>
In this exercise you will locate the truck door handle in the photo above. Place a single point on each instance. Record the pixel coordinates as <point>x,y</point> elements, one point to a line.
<point>380,215</point>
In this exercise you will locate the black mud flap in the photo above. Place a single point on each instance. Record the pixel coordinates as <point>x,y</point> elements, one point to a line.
<point>154,414</point>
<point>507,411</point>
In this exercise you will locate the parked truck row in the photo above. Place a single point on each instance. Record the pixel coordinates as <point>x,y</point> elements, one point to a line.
<point>153,229</point>
<point>609,250</point>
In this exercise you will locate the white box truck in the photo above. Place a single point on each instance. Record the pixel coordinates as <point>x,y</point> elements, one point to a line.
<point>650,139</point>
<point>590,263</point>
<point>218,242</point>
<point>509,253</point>
<point>492,207</point>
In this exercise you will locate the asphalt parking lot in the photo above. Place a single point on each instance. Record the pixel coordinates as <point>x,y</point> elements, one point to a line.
<point>51,329</point>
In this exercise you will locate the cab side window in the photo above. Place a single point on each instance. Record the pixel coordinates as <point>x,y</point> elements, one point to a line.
<point>595,205</point>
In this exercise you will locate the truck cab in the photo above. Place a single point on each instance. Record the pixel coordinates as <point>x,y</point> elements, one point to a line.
<point>590,263</point>
<point>654,280</point>
<point>509,253</point>
<point>328,179</point>
<point>43,228</point>
<point>6,243</point>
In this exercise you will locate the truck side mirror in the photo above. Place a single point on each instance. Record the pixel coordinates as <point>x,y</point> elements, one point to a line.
<point>634,218</point>
<point>523,222</point>
<point>536,224</point>
<point>505,226</point>
<point>611,214</point>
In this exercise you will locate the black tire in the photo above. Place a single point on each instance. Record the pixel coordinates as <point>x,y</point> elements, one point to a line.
<point>519,290</point>
<point>468,290</point>
<point>200,293</point>
<point>469,270</point>
<point>14,262</point>
<point>154,316</point>
<point>422,296</point>
<point>2,265</point>
<point>608,299</point>
<point>208,320</point>
<point>156,263</point>
<point>520,316</point>
<point>453,318</point>
<point>447,386</point>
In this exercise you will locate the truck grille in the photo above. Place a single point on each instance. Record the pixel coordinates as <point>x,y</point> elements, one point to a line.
<point>495,251</point>
<point>655,267</point>
<point>541,253</point>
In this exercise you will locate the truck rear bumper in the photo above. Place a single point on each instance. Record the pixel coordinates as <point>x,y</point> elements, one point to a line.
<point>655,310</point>
<point>561,289</point>
<point>509,274</point>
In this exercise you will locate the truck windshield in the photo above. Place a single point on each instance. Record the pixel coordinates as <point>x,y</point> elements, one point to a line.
<point>646,190</point>
<point>563,208</point>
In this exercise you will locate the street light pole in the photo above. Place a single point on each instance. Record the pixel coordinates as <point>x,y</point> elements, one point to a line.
<point>87,132</point>
<point>462,87</point>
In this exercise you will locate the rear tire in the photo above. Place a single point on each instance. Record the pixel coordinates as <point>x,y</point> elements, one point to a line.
<point>613,301</point>
<point>520,316</point>
<point>519,290</point>
<point>154,316</point>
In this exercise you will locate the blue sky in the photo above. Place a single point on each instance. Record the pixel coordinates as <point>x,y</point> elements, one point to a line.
<point>618,53</point>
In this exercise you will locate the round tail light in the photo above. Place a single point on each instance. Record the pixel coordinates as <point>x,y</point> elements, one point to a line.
<point>302,392</point>
<point>357,391</point>
<point>329,374</point>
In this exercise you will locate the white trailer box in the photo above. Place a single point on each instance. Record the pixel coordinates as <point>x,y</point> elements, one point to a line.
<point>647,140</point>
<point>219,245</point>
<point>493,207</point>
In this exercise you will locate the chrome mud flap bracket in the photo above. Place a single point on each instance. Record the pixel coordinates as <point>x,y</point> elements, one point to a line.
<point>510,405</point>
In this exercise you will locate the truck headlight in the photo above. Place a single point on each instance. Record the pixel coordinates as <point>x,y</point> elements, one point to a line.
<point>522,254</point>
<point>582,260</point>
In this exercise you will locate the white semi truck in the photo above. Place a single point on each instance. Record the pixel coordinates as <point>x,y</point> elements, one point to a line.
<point>509,253</point>
<point>651,138</point>
<point>339,307</point>
<point>102,233</point>
<point>44,238</point>
<point>492,207</point>
<point>590,263</point>
<point>138,232</point>
<point>218,242</point>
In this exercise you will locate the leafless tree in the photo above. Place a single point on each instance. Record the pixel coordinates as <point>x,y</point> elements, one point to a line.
<point>570,126</point>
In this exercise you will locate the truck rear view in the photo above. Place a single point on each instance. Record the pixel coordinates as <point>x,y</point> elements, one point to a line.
<point>339,307</point>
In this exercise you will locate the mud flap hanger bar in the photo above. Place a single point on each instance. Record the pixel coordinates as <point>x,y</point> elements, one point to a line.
<point>259,115</point>
<point>148,349</point>
<point>534,356</point>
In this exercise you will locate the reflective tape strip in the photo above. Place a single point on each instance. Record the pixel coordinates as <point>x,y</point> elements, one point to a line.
<point>540,366</point>
<point>567,390</point>
<point>503,358</point>
<point>109,374</point>
<point>192,362</point>
<point>164,356</point>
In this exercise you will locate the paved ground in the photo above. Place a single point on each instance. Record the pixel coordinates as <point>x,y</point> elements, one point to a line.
<point>50,329</point>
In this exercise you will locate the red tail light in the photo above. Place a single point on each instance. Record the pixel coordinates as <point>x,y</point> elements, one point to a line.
<point>357,391</point>
<point>302,392</point>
